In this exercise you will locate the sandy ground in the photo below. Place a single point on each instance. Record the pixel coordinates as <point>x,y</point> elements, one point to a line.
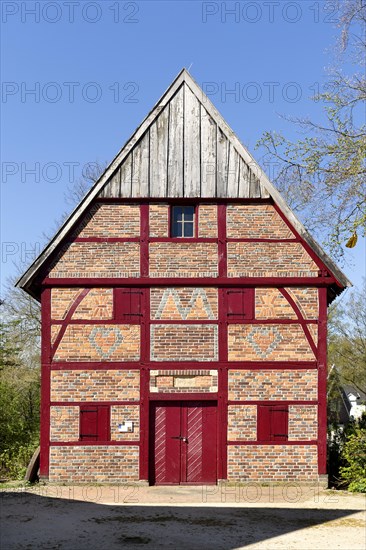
<point>232,517</point>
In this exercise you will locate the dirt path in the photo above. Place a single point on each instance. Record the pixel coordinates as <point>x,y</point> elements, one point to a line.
<point>249,516</point>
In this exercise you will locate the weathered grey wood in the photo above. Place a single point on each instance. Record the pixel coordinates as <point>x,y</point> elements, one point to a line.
<point>244,180</point>
<point>126,178</point>
<point>175,145</point>
<point>159,133</point>
<point>222,163</point>
<point>192,145</point>
<point>233,173</point>
<point>140,168</point>
<point>263,191</point>
<point>114,184</point>
<point>208,155</point>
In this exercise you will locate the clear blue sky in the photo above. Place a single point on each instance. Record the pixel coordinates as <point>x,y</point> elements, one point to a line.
<point>97,68</point>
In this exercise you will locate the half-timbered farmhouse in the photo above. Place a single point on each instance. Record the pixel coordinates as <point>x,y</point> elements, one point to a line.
<point>184,316</point>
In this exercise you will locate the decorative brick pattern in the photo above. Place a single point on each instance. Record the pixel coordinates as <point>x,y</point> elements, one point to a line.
<point>183,303</point>
<point>272,463</point>
<point>268,343</point>
<point>269,260</point>
<point>184,343</point>
<point>123,413</point>
<point>242,423</point>
<point>95,385</point>
<point>256,221</point>
<point>278,385</point>
<point>183,259</point>
<point>97,304</point>
<point>94,464</point>
<point>99,342</point>
<point>102,259</point>
<point>207,220</point>
<point>271,304</point>
<point>191,381</point>
<point>307,301</point>
<point>64,423</point>
<point>303,422</point>
<point>111,220</point>
<point>159,220</point>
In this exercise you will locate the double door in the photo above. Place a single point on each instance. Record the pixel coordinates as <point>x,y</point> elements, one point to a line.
<point>183,442</point>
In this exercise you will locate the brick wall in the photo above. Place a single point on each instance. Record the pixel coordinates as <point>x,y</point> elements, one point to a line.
<point>95,385</point>
<point>268,343</point>
<point>111,220</point>
<point>256,221</point>
<point>272,463</point>
<point>184,381</point>
<point>207,220</point>
<point>102,259</point>
<point>94,464</point>
<point>184,343</point>
<point>242,423</point>
<point>123,413</point>
<point>307,301</point>
<point>97,304</point>
<point>269,384</point>
<point>303,422</point>
<point>99,343</point>
<point>183,259</point>
<point>183,303</point>
<point>159,220</point>
<point>269,260</point>
<point>64,423</point>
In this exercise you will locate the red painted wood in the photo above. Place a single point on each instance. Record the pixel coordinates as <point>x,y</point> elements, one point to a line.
<point>322,382</point>
<point>94,423</point>
<point>128,305</point>
<point>92,443</point>
<point>190,321</point>
<point>144,424</point>
<point>271,282</point>
<point>183,240</point>
<point>272,422</point>
<point>184,365</point>
<point>183,442</point>
<point>45,382</point>
<point>267,402</point>
<point>107,239</point>
<point>91,403</point>
<point>301,319</point>
<point>258,442</point>
<point>240,304</point>
<point>183,396</point>
<point>221,232</point>
<point>144,242</point>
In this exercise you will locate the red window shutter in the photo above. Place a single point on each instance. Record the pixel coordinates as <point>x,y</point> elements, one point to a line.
<point>88,423</point>
<point>128,305</point>
<point>103,423</point>
<point>272,423</point>
<point>240,304</point>
<point>94,423</point>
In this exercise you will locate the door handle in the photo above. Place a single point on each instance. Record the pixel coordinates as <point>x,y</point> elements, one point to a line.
<point>180,437</point>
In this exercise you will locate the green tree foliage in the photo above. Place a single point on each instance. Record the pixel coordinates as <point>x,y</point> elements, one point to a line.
<point>347,340</point>
<point>323,174</point>
<point>353,471</point>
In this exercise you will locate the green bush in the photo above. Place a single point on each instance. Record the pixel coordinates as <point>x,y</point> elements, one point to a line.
<point>353,455</point>
<point>14,462</point>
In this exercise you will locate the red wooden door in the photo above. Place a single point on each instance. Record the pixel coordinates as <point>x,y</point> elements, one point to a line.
<point>183,442</point>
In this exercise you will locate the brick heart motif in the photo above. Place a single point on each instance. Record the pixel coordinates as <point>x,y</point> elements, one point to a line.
<point>264,340</point>
<point>105,340</point>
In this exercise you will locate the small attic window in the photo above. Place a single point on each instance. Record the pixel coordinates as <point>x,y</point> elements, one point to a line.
<point>182,221</point>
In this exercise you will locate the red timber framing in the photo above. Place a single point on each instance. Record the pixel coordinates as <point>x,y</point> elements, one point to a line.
<point>144,365</point>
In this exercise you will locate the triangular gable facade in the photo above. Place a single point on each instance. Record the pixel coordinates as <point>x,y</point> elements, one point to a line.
<point>183,149</point>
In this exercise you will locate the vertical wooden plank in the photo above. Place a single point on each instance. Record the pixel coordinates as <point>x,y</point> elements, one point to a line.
<point>126,177</point>
<point>263,191</point>
<point>175,145</point>
<point>192,144</point>
<point>114,185</point>
<point>254,189</point>
<point>140,163</point>
<point>208,155</point>
<point>222,163</point>
<point>244,180</point>
<point>233,173</point>
<point>159,132</point>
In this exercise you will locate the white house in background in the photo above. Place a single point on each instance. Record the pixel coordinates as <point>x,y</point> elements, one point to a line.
<point>356,401</point>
